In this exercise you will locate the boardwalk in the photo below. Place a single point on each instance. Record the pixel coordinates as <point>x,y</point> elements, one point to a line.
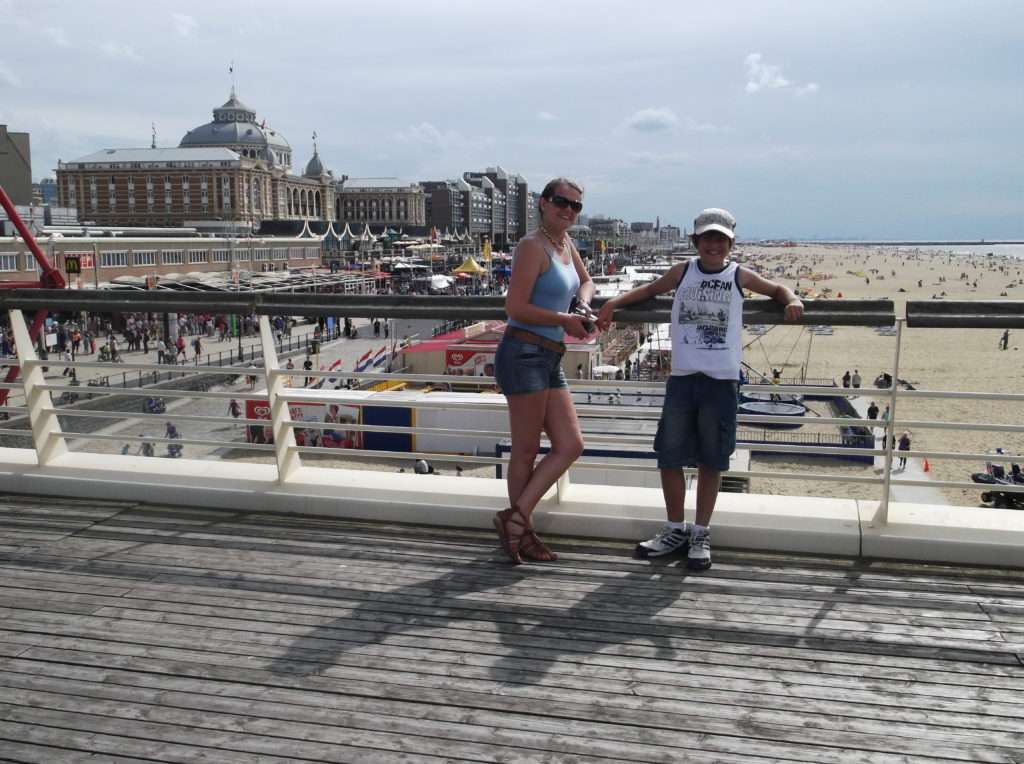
<point>140,633</point>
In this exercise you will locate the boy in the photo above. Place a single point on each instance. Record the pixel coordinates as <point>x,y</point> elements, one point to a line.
<point>698,420</point>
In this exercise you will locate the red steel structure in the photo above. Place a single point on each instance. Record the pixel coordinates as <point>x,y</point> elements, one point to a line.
<point>50,278</point>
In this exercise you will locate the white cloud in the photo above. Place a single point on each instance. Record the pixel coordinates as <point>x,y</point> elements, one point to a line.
<point>184,24</point>
<point>653,158</point>
<point>116,50</point>
<point>546,116</point>
<point>424,132</point>
<point>653,120</point>
<point>8,76</point>
<point>704,127</point>
<point>58,36</point>
<point>763,76</point>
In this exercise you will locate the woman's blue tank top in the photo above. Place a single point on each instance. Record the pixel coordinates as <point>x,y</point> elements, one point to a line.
<point>553,290</point>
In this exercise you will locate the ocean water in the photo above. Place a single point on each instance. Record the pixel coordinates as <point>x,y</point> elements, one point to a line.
<point>954,248</point>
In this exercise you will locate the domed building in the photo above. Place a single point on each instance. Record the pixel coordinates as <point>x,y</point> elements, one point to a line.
<point>228,175</point>
<point>234,127</point>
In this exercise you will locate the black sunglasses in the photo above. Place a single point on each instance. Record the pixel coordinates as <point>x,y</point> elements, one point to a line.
<point>561,202</point>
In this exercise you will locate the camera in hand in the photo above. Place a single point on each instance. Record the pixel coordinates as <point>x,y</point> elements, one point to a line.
<point>579,308</point>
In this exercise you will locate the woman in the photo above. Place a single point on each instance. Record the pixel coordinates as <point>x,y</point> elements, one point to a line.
<point>547,273</point>
<point>904,446</point>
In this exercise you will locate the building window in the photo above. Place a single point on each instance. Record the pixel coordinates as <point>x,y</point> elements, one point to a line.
<point>172,257</point>
<point>145,257</point>
<point>113,259</point>
<point>8,262</point>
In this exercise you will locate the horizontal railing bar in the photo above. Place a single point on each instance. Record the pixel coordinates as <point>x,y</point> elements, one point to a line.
<point>909,424</point>
<point>956,455</point>
<point>959,484</point>
<point>138,392</point>
<point>657,310</point>
<point>959,395</point>
<point>157,440</point>
<point>119,368</point>
<point>17,433</point>
<point>970,314</point>
<point>87,414</point>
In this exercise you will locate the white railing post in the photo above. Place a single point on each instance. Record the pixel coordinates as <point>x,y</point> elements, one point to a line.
<point>284,436</point>
<point>46,432</point>
<point>882,516</point>
<point>562,487</point>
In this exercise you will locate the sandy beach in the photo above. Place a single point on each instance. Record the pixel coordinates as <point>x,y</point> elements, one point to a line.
<point>931,359</point>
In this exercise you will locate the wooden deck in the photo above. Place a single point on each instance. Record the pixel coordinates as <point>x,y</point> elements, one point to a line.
<point>140,633</point>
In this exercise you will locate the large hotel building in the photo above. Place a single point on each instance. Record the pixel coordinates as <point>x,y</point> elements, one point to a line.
<point>228,175</point>
<point>233,175</point>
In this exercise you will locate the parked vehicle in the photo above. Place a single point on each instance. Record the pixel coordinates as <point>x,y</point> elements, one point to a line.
<point>995,475</point>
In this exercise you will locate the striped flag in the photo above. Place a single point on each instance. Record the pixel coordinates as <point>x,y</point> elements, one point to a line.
<point>332,367</point>
<point>363,362</point>
<point>380,357</point>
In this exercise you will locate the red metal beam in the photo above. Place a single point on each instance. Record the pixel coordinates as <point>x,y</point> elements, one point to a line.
<point>50,278</point>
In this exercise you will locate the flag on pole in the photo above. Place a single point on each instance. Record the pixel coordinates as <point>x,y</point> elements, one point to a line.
<point>487,250</point>
<point>332,367</point>
<point>380,357</point>
<point>364,361</point>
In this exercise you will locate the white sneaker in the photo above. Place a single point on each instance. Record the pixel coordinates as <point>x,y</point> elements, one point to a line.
<point>666,541</point>
<point>699,556</point>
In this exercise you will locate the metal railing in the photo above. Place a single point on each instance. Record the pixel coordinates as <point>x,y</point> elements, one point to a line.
<point>49,437</point>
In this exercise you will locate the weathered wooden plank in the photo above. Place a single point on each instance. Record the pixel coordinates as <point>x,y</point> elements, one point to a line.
<point>527,733</point>
<point>28,753</point>
<point>717,737</point>
<point>849,715</point>
<point>180,619</point>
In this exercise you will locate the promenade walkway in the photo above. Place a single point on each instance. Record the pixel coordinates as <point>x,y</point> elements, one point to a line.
<point>134,633</point>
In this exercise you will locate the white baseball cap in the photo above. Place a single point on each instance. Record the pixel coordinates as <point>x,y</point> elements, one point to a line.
<point>715,219</point>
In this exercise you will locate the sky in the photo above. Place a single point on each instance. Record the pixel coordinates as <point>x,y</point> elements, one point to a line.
<point>895,119</point>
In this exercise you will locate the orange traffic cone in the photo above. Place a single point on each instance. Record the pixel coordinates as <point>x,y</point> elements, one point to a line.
<point>926,467</point>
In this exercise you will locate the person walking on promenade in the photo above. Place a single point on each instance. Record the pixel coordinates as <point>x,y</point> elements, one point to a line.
<point>855,379</point>
<point>846,378</point>
<point>234,409</point>
<point>904,446</point>
<point>698,417</point>
<point>1004,341</point>
<point>547,273</point>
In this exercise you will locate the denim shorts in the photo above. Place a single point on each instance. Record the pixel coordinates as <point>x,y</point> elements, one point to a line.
<point>698,422</point>
<point>522,367</point>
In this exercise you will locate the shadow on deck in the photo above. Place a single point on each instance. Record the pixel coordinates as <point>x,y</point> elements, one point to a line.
<point>133,632</point>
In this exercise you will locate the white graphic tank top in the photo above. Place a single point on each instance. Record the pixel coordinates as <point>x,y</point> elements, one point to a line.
<point>707,323</point>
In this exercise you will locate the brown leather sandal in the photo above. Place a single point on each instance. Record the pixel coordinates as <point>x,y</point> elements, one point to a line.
<point>512,526</point>
<point>532,548</point>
